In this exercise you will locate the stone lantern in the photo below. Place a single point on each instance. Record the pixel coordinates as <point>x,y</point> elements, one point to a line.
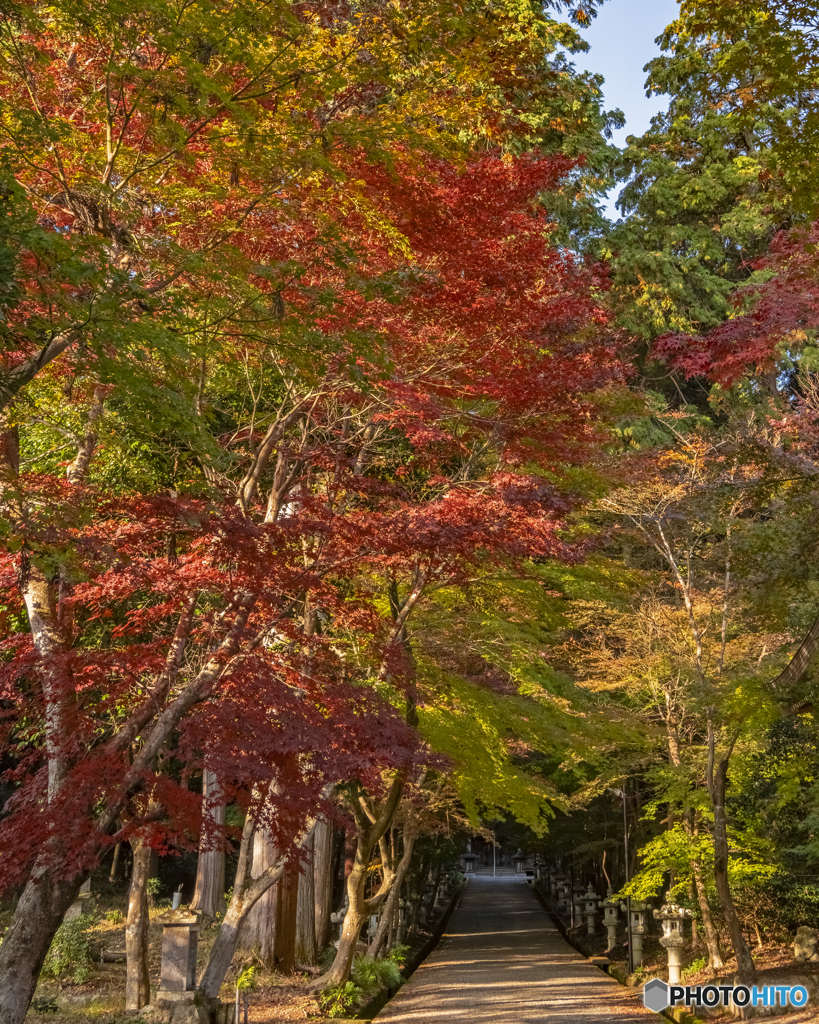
<point>468,858</point>
<point>519,860</point>
<point>638,930</point>
<point>673,918</point>
<point>577,903</point>
<point>562,894</point>
<point>590,909</point>
<point>338,918</point>
<point>610,918</point>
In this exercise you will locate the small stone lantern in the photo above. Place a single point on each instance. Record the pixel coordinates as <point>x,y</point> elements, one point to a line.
<point>519,859</point>
<point>638,930</point>
<point>590,910</point>
<point>673,918</point>
<point>562,894</point>
<point>338,918</point>
<point>610,917</point>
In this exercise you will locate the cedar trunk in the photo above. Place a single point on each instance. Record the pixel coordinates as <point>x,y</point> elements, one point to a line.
<point>306,947</point>
<point>137,985</point>
<point>323,881</point>
<point>209,894</point>
<point>258,931</point>
<point>285,954</point>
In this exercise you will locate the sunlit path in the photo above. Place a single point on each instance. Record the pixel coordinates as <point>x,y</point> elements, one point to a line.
<point>502,961</point>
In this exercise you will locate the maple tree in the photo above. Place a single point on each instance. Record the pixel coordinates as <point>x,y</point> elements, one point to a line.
<point>462,365</point>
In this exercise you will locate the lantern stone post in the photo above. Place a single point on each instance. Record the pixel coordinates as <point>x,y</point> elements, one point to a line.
<point>638,929</point>
<point>673,918</point>
<point>610,917</point>
<point>590,909</point>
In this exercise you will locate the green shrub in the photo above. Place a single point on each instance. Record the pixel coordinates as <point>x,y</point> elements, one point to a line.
<point>70,952</point>
<point>337,1000</point>
<point>44,1004</point>
<point>695,966</point>
<point>365,972</point>
<point>373,974</point>
<point>398,954</point>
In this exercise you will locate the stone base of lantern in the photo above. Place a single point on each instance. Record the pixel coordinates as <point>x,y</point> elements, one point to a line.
<point>674,965</point>
<point>168,1007</point>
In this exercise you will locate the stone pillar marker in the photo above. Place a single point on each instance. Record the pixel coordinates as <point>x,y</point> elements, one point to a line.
<point>610,918</point>
<point>672,917</point>
<point>180,939</point>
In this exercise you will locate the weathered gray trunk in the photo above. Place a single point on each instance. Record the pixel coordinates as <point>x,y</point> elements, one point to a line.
<point>137,985</point>
<point>209,893</point>
<point>306,948</point>
<point>39,913</point>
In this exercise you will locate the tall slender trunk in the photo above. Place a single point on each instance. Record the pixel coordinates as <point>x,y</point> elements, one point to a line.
<point>209,893</point>
<point>385,924</point>
<point>137,985</point>
<point>323,881</point>
<point>306,946</point>
<point>746,969</point>
<point>112,875</point>
<point>715,961</point>
<point>286,906</point>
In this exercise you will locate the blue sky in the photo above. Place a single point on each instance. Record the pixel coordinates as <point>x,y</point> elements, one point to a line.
<point>622,42</point>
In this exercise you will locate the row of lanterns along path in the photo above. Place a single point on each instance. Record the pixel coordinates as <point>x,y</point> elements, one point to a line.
<point>586,905</point>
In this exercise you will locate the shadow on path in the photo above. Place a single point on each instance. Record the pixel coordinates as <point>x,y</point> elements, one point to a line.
<point>502,961</point>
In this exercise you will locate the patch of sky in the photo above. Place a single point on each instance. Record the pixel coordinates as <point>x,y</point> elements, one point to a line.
<point>621,40</point>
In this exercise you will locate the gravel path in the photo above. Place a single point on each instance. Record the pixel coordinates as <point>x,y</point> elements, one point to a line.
<point>502,961</point>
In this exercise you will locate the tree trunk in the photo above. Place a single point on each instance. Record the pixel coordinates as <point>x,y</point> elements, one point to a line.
<point>286,907</point>
<point>323,881</point>
<point>258,933</point>
<point>746,969</point>
<point>306,947</point>
<point>385,924</point>
<point>39,913</point>
<point>715,961</point>
<point>209,893</point>
<point>353,923</point>
<point>112,876</point>
<point>137,985</point>
<point>372,825</point>
<point>246,893</point>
